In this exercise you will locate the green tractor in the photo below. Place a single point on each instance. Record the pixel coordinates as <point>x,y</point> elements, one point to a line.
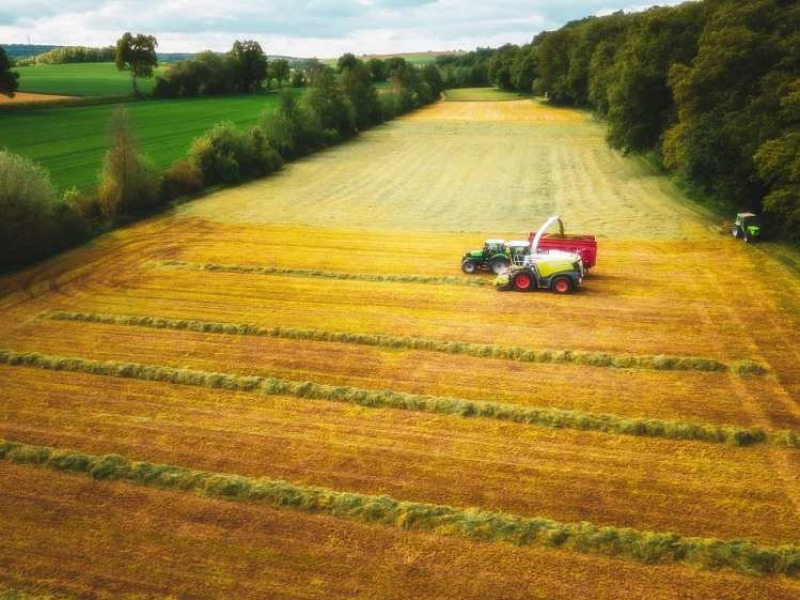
<point>494,257</point>
<point>747,227</point>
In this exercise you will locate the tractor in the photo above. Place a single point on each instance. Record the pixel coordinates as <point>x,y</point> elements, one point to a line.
<point>560,274</point>
<point>494,257</point>
<point>555,270</point>
<point>747,227</point>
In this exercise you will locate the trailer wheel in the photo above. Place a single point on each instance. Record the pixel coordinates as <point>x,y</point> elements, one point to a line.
<point>523,282</point>
<point>499,266</point>
<point>468,267</point>
<point>562,285</point>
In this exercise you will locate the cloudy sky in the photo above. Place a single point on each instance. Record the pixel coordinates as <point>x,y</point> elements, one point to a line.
<point>297,27</point>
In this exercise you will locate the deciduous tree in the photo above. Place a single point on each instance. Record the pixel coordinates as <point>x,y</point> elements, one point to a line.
<point>137,54</point>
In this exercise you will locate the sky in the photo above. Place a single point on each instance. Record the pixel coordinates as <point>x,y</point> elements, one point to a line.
<point>301,28</point>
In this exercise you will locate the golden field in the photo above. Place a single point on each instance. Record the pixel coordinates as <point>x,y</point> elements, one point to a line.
<point>407,199</point>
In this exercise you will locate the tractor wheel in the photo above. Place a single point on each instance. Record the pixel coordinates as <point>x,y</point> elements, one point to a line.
<point>523,282</point>
<point>499,266</point>
<point>562,285</point>
<point>469,267</point>
<point>735,232</point>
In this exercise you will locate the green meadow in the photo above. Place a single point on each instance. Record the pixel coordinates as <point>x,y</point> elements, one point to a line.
<point>83,79</point>
<point>70,141</point>
<point>481,94</point>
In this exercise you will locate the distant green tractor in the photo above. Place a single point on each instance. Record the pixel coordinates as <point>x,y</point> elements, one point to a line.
<point>747,227</point>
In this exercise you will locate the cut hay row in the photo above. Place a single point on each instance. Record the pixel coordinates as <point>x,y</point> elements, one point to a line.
<point>514,353</point>
<point>647,547</point>
<point>316,274</point>
<point>371,398</point>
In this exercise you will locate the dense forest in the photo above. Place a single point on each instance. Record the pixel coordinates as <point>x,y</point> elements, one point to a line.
<point>710,89</point>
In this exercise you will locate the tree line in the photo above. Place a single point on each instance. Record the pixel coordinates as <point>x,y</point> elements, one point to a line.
<point>710,89</point>
<point>336,105</point>
<point>70,54</point>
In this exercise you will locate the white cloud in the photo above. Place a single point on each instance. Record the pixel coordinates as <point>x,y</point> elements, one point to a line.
<point>298,28</point>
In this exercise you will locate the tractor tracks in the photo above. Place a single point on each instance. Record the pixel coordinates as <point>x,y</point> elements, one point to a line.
<point>781,460</point>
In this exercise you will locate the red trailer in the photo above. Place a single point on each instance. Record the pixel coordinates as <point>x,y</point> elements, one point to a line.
<point>584,245</point>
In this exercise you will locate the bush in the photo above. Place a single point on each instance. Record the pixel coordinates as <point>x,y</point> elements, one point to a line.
<point>27,201</point>
<point>183,179</point>
<point>294,130</point>
<point>224,155</point>
<point>36,222</point>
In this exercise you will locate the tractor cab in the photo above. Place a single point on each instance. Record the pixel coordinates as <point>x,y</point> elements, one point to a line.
<point>492,257</point>
<point>517,250</point>
<point>747,227</point>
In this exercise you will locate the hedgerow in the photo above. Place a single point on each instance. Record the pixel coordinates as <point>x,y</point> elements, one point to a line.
<point>542,417</point>
<point>515,353</point>
<point>647,547</point>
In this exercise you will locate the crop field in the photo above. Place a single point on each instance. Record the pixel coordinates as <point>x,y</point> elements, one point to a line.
<point>82,79</point>
<point>24,97</point>
<point>70,141</point>
<point>289,389</point>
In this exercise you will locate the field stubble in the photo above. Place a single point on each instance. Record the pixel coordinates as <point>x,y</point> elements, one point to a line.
<point>383,205</point>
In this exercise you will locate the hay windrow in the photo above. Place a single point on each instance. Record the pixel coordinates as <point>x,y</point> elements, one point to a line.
<point>474,523</point>
<point>513,353</point>
<point>318,274</point>
<point>541,417</point>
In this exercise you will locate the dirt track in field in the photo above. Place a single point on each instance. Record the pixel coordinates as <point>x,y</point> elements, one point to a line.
<point>663,294</point>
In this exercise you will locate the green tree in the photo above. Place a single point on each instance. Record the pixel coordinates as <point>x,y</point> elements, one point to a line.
<point>778,164</point>
<point>280,71</point>
<point>249,65</point>
<point>734,97</point>
<point>136,54</point>
<point>9,80</point>
<point>640,102</point>
<point>326,99</point>
<point>378,69</point>
<point>356,83</point>
<point>500,66</point>
<point>347,61</point>
<point>129,182</point>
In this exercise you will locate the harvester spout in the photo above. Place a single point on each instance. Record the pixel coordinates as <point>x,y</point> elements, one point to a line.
<point>538,237</point>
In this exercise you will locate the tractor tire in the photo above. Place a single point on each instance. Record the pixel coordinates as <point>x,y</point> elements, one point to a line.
<point>469,267</point>
<point>735,232</point>
<point>523,282</point>
<point>562,285</point>
<point>499,266</point>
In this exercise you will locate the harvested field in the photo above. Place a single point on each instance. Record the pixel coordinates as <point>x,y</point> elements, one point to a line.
<point>703,490</point>
<point>21,97</point>
<point>365,240</point>
<point>429,172</point>
<point>155,543</point>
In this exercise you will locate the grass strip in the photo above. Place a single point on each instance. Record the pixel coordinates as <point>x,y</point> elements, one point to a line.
<point>315,274</point>
<point>647,547</point>
<point>542,417</point>
<point>515,353</point>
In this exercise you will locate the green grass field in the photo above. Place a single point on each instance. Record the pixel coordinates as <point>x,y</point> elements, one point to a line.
<point>86,79</point>
<point>483,94</point>
<point>70,142</point>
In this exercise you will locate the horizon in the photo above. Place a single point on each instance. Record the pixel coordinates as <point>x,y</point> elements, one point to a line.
<point>314,28</point>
